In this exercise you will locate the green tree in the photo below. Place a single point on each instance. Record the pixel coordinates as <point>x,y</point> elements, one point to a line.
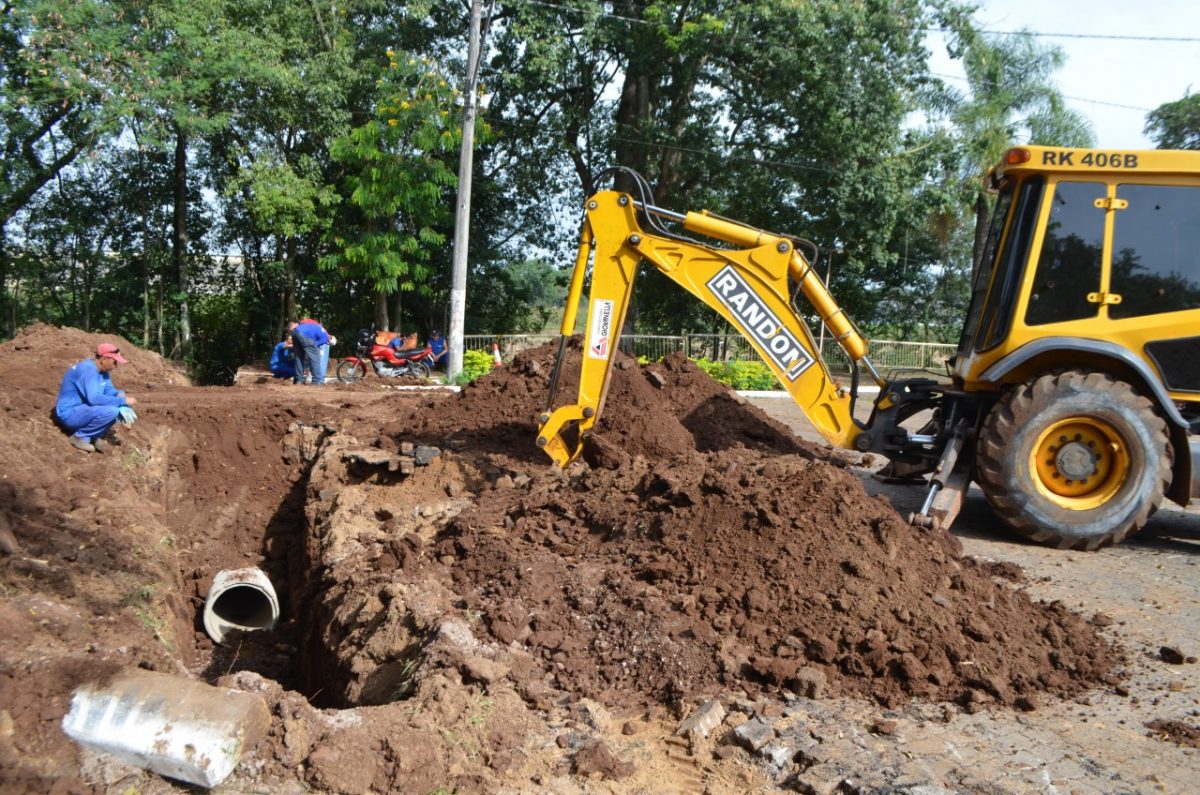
<point>271,163</point>
<point>199,53</point>
<point>519,297</point>
<point>1011,99</point>
<point>67,74</point>
<point>396,179</point>
<point>786,115</point>
<point>1176,125</point>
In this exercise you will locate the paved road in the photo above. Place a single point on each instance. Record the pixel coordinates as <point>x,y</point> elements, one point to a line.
<point>1149,586</point>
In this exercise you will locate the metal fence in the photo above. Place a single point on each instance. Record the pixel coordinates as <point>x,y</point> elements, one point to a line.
<point>885,354</point>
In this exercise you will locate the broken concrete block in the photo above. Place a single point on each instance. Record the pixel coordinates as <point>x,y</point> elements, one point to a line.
<point>424,454</point>
<point>370,456</point>
<point>810,682</point>
<point>776,754</point>
<point>180,728</point>
<point>754,734</point>
<point>820,780</point>
<point>591,714</point>
<point>481,669</point>
<point>703,720</point>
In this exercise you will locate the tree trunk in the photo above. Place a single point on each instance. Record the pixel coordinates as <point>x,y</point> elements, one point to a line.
<point>289,284</point>
<point>9,316</point>
<point>158,312</point>
<point>145,281</point>
<point>381,310</point>
<point>180,242</point>
<point>633,111</point>
<point>397,315</point>
<point>145,303</point>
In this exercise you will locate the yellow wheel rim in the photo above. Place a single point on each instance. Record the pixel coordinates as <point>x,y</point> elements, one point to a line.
<point>1079,463</point>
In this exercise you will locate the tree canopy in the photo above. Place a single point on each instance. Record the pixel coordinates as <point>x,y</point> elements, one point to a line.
<point>193,174</point>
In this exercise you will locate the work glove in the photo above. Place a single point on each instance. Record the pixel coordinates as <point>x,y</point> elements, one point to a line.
<point>126,416</point>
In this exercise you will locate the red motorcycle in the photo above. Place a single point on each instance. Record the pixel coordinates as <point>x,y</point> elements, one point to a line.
<point>385,361</point>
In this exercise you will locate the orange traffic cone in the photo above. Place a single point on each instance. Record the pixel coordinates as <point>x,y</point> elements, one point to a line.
<point>496,362</point>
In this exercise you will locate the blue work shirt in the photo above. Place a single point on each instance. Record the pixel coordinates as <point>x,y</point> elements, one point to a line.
<point>397,343</point>
<point>437,345</point>
<point>85,385</point>
<point>313,332</point>
<point>283,363</point>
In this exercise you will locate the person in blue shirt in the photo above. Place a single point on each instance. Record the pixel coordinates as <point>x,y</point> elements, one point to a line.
<point>283,362</point>
<point>310,344</point>
<point>89,405</point>
<point>437,344</point>
<point>403,342</point>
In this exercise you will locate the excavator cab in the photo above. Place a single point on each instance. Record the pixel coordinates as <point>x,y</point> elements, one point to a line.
<point>1081,345</point>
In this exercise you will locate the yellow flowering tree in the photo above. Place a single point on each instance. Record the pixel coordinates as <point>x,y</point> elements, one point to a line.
<point>397,177</point>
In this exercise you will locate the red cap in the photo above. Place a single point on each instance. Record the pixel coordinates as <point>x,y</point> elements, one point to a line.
<point>107,350</point>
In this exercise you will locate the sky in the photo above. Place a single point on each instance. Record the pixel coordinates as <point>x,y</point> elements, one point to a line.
<point>1112,82</point>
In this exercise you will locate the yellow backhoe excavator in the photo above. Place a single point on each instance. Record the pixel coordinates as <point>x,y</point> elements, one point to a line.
<point>1074,395</point>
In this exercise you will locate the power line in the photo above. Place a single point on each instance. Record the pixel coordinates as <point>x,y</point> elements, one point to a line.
<point>516,125</point>
<point>1042,34</point>
<point>961,79</point>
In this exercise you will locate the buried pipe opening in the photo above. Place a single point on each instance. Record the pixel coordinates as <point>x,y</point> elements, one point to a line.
<point>240,599</point>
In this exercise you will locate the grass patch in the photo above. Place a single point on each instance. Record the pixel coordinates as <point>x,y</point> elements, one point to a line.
<point>141,599</point>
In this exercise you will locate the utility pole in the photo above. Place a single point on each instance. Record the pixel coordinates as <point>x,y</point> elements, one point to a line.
<point>462,212</point>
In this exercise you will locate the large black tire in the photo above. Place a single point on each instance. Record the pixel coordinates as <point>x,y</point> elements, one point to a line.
<point>1074,460</point>
<point>349,372</point>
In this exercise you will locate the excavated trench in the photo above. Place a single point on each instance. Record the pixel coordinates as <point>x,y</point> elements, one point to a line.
<point>329,547</point>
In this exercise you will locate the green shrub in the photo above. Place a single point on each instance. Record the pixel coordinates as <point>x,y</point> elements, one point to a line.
<point>475,364</point>
<point>739,375</point>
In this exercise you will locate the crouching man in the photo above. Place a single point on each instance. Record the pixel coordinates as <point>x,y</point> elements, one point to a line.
<point>88,403</point>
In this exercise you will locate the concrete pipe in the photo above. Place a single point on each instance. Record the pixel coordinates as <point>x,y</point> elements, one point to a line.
<point>240,599</point>
<point>179,728</point>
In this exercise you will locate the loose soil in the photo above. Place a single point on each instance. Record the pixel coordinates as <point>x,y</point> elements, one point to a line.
<point>484,621</point>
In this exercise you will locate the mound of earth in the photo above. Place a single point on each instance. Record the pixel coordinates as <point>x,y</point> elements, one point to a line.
<point>39,355</point>
<point>708,549</point>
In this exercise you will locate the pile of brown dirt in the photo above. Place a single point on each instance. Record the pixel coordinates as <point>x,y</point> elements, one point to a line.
<point>720,552</point>
<point>39,355</point>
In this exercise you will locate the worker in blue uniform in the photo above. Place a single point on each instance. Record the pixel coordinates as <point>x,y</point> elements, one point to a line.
<point>310,344</point>
<point>283,362</point>
<point>89,405</point>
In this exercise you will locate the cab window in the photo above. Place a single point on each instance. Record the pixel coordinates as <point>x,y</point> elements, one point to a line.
<point>984,275</point>
<point>1069,263</point>
<point>1156,250</point>
<point>998,313</point>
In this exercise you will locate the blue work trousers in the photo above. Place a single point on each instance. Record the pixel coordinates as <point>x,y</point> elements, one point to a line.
<point>90,422</point>
<point>321,368</point>
<point>308,356</point>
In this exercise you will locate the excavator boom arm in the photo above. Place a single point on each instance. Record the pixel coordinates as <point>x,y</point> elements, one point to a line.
<point>748,285</point>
